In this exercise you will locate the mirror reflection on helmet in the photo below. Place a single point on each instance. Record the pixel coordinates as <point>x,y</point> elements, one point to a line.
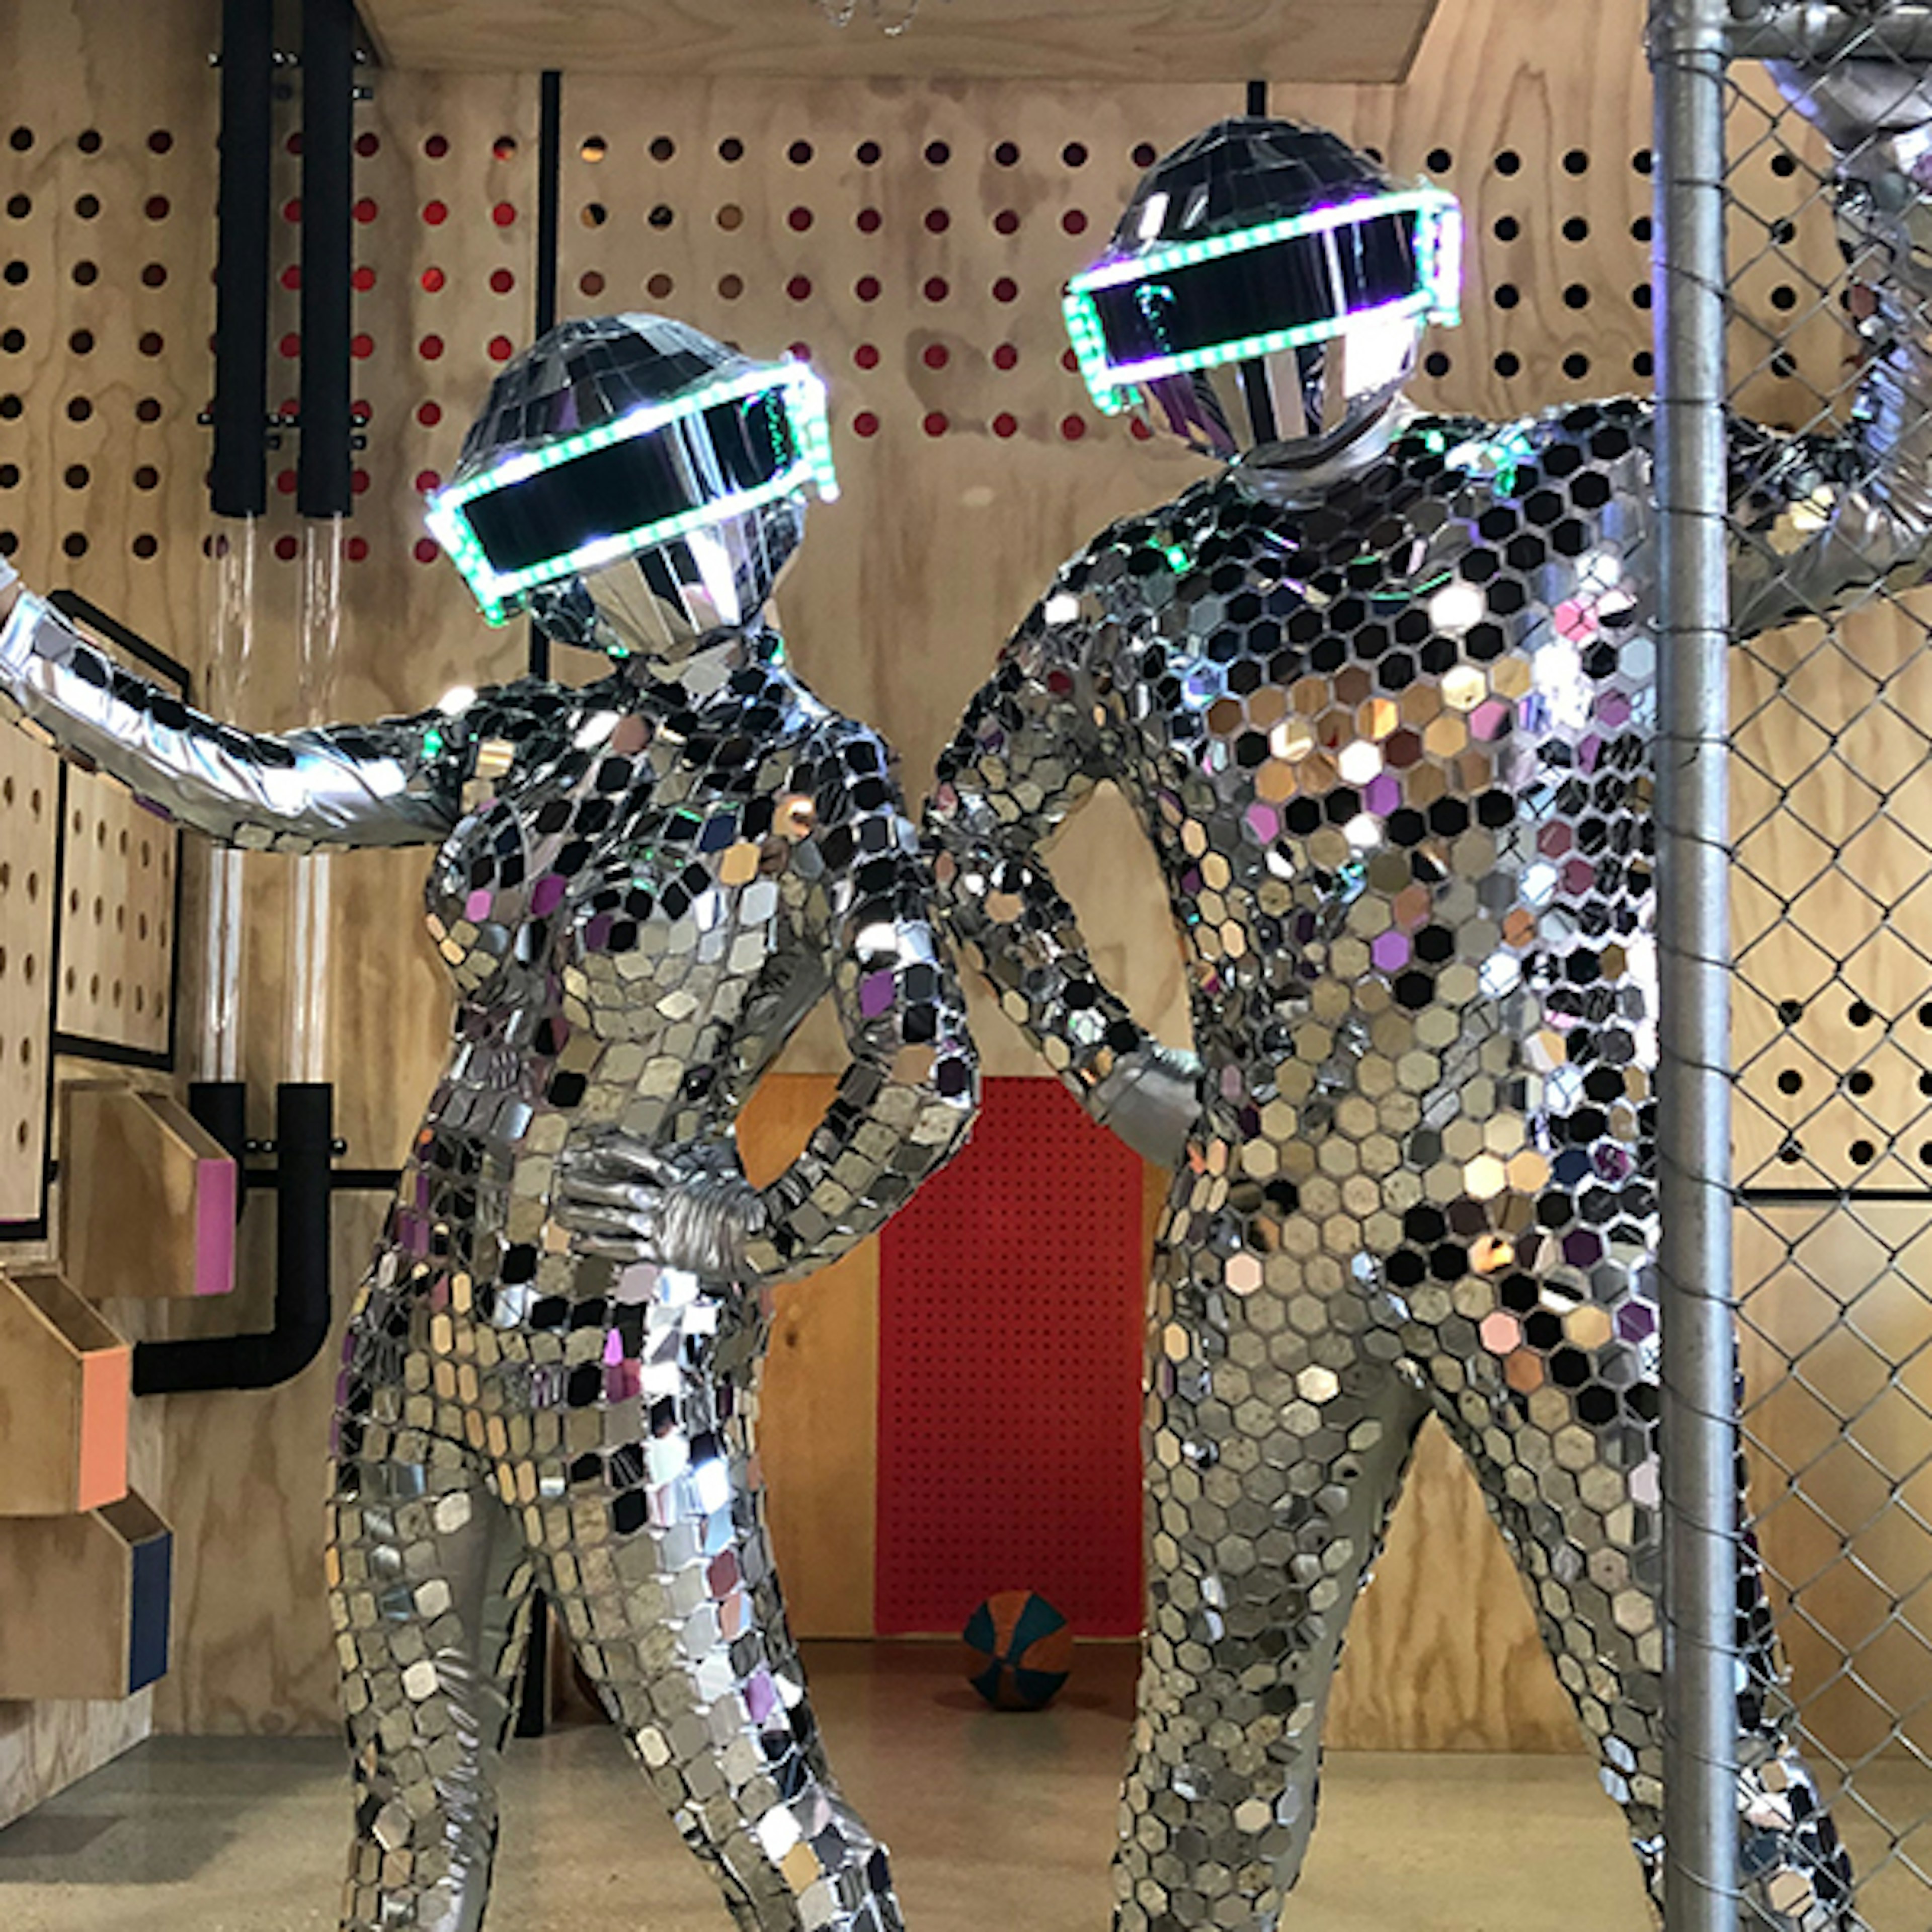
<point>635,484</point>
<point>1265,292</point>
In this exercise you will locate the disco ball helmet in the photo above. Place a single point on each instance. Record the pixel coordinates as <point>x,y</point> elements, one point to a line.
<point>635,484</point>
<point>1266,291</point>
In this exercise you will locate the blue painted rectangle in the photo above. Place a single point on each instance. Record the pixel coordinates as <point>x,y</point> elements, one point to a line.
<point>152,1594</point>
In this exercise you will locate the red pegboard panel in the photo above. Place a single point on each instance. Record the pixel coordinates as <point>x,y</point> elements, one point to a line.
<point>1010,1298</point>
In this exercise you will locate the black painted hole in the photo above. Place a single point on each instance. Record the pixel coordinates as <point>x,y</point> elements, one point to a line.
<point>87,206</point>
<point>867,154</point>
<point>1861,1153</point>
<point>1642,161</point>
<point>1643,364</point>
<point>730,149</point>
<point>1577,366</point>
<point>1784,296</point>
<point>937,153</point>
<point>1790,1081</point>
<point>86,274</point>
<point>1074,155</point>
<point>1007,155</point>
<point>1436,364</point>
<point>1859,1081</point>
<point>662,215</point>
<point>89,141</point>
<point>1576,229</point>
<point>1783,165</point>
<point>21,139</point>
<point>1440,161</point>
<point>1508,364</point>
<point>1640,228</point>
<point>1576,295</point>
<point>1576,162</point>
<point>1506,295</point>
<point>15,273</point>
<point>798,153</point>
<point>75,476</point>
<point>1790,1011</point>
<point>74,544</point>
<point>1509,162</point>
<point>1860,1013</point>
<point>662,148</point>
<point>1507,228</point>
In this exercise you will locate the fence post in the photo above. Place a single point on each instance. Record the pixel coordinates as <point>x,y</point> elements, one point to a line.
<point>1699,1431</point>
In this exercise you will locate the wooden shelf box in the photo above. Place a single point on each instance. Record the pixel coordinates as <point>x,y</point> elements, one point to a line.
<point>84,1602</point>
<point>63,1394</point>
<point>147,1197</point>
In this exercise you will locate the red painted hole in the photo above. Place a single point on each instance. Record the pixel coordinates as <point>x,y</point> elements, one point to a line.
<point>502,280</point>
<point>361,412</point>
<point>291,276</point>
<point>1004,425</point>
<point>937,221</point>
<point>285,481</point>
<point>866,424</point>
<point>291,209</point>
<point>1074,222</point>
<point>362,280</point>
<point>154,276</point>
<point>362,346</point>
<point>356,549</point>
<point>1068,361</point>
<point>503,214</point>
<point>591,283</point>
<point>799,220</point>
<point>429,348</point>
<point>1006,222</point>
<point>427,480</point>
<point>937,355</point>
<point>869,219</point>
<point>365,209</point>
<point>504,147</point>
<point>160,141</point>
<point>935,424</point>
<point>501,348</point>
<point>367,145</point>
<point>433,279</point>
<point>435,213</point>
<point>1145,154</point>
<point>866,288</point>
<point>285,548</point>
<point>799,351</point>
<point>1139,430</point>
<point>436,147</point>
<point>936,289</point>
<point>429,414</point>
<point>1006,289</point>
<point>1006,356</point>
<point>359,482</point>
<point>293,144</point>
<point>425,550</point>
<point>658,286</point>
<point>1073,428</point>
<point>866,356</point>
<point>799,288</point>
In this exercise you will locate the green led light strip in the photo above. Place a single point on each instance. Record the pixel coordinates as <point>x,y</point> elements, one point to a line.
<point>1437,299</point>
<point>496,591</point>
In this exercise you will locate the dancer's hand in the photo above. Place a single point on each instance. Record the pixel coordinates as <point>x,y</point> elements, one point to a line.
<point>1151,1099</point>
<point>1851,102</point>
<point>626,1201</point>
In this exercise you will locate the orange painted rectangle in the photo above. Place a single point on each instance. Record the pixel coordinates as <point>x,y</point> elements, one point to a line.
<point>105,1378</point>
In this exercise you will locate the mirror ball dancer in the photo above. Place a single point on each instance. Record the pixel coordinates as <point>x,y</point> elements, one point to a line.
<point>639,888</point>
<point>1382,694</point>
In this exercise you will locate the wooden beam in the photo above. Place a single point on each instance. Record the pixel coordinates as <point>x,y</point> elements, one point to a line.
<point>1231,40</point>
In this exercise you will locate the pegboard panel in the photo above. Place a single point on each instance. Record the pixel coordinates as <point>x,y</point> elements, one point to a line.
<point>119,896</point>
<point>29,833</point>
<point>1009,1374</point>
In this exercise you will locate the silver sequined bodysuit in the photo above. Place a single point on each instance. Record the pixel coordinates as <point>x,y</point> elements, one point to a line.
<point>1391,740</point>
<point>642,886</point>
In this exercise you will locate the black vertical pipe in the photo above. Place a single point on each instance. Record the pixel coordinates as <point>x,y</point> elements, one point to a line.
<point>327,175</point>
<point>549,183</point>
<point>1258,99</point>
<point>238,473</point>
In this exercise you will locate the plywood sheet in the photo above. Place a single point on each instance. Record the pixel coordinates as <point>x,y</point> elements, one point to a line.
<point>1007,40</point>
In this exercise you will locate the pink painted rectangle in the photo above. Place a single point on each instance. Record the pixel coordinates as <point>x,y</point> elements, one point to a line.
<point>215,1184</point>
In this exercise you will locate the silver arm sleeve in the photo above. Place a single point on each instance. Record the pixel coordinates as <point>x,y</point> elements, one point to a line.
<point>1821,518</point>
<point>395,782</point>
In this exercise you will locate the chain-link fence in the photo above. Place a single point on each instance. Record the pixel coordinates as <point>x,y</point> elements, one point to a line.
<point>1828,778</point>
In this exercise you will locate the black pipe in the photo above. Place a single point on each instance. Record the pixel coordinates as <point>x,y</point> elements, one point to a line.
<point>238,479</point>
<point>304,1147</point>
<point>221,1106</point>
<point>1258,99</point>
<point>327,194</point>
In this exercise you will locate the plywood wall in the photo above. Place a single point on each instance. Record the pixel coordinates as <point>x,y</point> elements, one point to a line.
<point>912,237</point>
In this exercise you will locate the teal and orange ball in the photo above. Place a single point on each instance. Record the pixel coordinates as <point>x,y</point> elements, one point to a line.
<point>1019,1650</point>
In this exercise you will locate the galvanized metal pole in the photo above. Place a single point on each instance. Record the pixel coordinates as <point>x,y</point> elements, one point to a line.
<point>1700,1435</point>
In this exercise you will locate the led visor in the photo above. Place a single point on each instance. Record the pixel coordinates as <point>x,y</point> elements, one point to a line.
<point>656,474</point>
<point>1228,298</point>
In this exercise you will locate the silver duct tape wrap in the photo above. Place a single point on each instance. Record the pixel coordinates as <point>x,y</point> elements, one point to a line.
<point>551,1373</point>
<point>1391,735</point>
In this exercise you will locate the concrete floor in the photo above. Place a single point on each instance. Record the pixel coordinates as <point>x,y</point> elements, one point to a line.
<point>994,1820</point>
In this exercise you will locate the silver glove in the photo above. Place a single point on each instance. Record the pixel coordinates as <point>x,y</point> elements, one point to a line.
<point>629,1202</point>
<point>1151,1099</point>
